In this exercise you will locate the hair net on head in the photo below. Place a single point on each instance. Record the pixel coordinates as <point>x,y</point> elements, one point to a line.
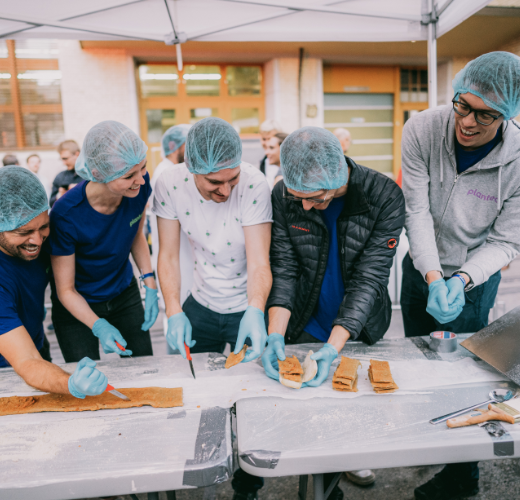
<point>109,151</point>
<point>212,145</point>
<point>311,159</point>
<point>22,198</point>
<point>495,78</point>
<point>174,138</point>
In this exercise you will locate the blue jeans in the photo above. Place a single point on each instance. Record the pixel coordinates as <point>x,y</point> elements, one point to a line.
<point>212,331</point>
<point>414,299</point>
<point>474,317</point>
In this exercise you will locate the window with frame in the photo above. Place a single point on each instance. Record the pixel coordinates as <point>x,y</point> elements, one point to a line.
<point>30,94</point>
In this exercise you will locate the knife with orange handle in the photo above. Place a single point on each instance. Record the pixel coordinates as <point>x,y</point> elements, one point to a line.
<point>188,357</point>
<point>121,347</point>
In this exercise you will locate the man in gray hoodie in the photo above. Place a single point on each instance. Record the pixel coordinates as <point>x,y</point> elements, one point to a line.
<point>461,181</point>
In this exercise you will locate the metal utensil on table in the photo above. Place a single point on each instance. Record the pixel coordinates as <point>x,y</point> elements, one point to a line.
<point>113,391</point>
<point>188,357</point>
<point>495,396</point>
<point>121,347</point>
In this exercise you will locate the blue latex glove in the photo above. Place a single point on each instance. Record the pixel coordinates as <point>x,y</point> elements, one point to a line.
<point>325,356</point>
<point>274,351</point>
<point>108,335</point>
<point>438,305</point>
<point>456,295</point>
<point>86,380</point>
<point>252,325</point>
<point>179,333</point>
<point>151,308</point>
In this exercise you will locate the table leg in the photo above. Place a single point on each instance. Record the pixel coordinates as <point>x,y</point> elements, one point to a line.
<point>170,495</point>
<point>318,486</point>
<point>302,489</point>
<point>153,496</point>
<point>333,483</point>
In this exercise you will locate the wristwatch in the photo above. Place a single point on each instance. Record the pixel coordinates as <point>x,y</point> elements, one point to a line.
<point>470,284</point>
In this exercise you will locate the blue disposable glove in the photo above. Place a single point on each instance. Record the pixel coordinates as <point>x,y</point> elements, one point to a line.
<point>252,325</point>
<point>456,295</point>
<point>274,351</point>
<point>109,335</point>
<point>179,333</point>
<point>151,308</point>
<point>86,380</point>
<point>324,357</point>
<point>438,305</point>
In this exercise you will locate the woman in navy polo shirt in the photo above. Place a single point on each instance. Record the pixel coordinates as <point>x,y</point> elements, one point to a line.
<point>94,228</point>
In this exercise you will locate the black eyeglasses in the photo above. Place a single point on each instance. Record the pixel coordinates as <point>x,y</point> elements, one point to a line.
<point>290,197</point>
<point>482,117</point>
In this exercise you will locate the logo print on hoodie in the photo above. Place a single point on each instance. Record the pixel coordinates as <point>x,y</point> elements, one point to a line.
<point>481,196</point>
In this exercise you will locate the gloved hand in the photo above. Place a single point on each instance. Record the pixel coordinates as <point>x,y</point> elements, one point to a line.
<point>274,351</point>
<point>252,325</point>
<point>179,332</point>
<point>86,380</point>
<point>108,335</point>
<point>438,305</point>
<point>325,356</point>
<point>456,295</point>
<point>151,308</point>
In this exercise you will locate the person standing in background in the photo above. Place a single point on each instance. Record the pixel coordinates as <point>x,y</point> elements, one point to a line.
<point>69,152</point>
<point>268,129</point>
<point>272,152</point>
<point>10,160</point>
<point>345,139</point>
<point>33,164</point>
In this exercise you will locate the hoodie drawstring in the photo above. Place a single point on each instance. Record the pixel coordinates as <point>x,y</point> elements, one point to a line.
<point>499,189</point>
<point>442,164</point>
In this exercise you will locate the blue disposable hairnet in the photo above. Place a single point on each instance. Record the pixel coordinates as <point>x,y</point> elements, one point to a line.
<point>495,78</point>
<point>212,145</point>
<point>311,159</point>
<point>22,198</point>
<point>109,151</point>
<point>174,138</point>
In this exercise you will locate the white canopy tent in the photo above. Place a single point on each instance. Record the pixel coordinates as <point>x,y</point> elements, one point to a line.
<point>176,21</point>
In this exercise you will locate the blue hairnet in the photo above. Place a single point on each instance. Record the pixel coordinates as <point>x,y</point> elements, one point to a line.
<point>109,151</point>
<point>495,78</point>
<point>212,145</point>
<point>22,198</point>
<point>311,159</point>
<point>174,138</point>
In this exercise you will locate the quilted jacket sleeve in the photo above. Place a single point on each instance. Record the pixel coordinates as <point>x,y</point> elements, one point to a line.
<point>369,280</point>
<point>284,262</point>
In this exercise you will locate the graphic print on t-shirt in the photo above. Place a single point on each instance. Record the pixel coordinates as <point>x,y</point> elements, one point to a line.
<point>215,231</point>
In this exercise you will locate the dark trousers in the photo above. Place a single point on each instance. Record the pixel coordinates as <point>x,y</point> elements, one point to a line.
<point>212,331</point>
<point>125,312</point>
<point>45,351</point>
<point>474,317</point>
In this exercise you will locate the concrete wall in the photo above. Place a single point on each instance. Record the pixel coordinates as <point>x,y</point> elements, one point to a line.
<point>96,85</point>
<point>281,92</point>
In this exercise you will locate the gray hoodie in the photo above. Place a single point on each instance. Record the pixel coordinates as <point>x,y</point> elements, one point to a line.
<point>470,221</point>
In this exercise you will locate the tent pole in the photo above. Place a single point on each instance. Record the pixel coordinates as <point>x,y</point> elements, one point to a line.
<point>432,56</point>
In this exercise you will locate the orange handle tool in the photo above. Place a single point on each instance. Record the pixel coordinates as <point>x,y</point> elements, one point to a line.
<point>188,354</point>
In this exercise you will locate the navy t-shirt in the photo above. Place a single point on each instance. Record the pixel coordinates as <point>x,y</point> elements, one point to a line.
<point>466,159</point>
<point>332,288</point>
<point>22,296</point>
<point>100,242</point>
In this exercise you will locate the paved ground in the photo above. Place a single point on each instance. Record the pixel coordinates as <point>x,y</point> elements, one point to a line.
<point>500,479</point>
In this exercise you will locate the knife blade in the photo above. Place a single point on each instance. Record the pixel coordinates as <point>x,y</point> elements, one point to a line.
<point>116,393</point>
<point>121,347</point>
<point>188,357</point>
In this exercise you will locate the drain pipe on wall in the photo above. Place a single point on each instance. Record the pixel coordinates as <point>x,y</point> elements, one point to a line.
<point>300,71</point>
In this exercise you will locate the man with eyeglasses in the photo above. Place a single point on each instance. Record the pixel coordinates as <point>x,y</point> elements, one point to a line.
<point>336,226</point>
<point>461,181</point>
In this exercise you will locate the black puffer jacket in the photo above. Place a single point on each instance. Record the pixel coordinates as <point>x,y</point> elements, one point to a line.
<point>368,231</point>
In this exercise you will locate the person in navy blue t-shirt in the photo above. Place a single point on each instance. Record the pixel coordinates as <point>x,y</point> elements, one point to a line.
<point>94,228</point>
<point>24,226</point>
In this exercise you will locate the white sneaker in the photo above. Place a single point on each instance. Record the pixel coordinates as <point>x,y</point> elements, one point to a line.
<point>361,477</point>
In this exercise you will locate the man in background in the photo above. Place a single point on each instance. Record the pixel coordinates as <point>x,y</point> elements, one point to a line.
<point>344,138</point>
<point>268,130</point>
<point>69,152</point>
<point>10,160</point>
<point>33,164</point>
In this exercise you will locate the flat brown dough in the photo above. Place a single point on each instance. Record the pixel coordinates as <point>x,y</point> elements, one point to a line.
<point>290,366</point>
<point>158,397</point>
<point>337,386</point>
<point>382,387</point>
<point>347,368</point>
<point>234,359</point>
<point>381,371</point>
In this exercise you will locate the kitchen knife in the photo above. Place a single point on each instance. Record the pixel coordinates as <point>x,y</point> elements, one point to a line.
<point>116,393</point>
<point>188,357</point>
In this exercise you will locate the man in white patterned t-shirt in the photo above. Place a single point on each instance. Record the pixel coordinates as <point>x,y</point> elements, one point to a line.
<point>224,208</point>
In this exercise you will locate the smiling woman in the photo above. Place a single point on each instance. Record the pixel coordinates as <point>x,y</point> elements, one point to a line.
<point>94,229</point>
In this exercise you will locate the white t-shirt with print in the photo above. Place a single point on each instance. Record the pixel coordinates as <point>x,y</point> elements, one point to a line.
<point>215,231</point>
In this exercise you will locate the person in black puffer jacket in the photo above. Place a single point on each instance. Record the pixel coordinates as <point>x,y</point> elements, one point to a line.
<point>336,227</point>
